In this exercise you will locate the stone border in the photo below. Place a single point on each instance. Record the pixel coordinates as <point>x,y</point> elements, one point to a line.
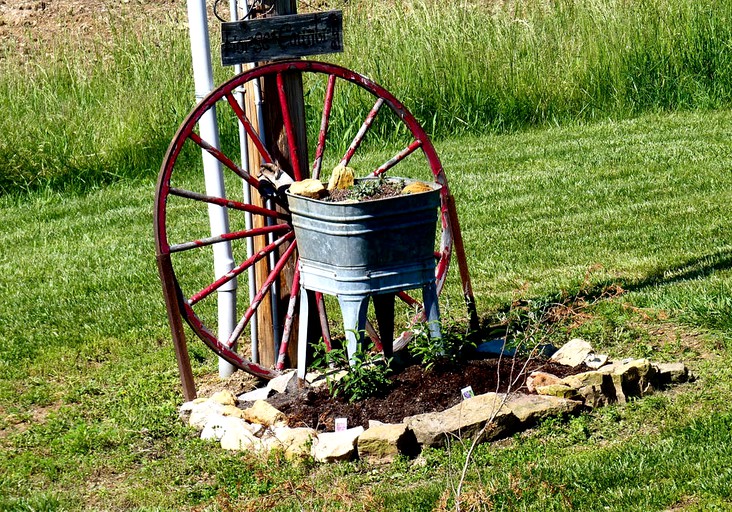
<point>262,428</point>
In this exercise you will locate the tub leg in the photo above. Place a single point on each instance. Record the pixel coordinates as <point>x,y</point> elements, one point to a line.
<point>432,311</point>
<point>384,309</point>
<point>302,334</point>
<point>353,309</point>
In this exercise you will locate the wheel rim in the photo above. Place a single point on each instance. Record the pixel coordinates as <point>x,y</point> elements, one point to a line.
<point>174,197</point>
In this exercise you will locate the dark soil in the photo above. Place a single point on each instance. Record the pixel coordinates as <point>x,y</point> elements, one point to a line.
<point>371,190</point>
<point>413,391</point>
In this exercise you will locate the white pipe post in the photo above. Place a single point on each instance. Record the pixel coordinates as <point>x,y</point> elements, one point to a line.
<point>247,192</point>
<point>213,175</point>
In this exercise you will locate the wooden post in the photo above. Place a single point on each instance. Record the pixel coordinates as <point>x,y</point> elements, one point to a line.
<point>277,143</point>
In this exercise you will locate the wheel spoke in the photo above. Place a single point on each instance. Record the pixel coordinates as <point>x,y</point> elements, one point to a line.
<point>362,132</point>
<point>375,338</point>
<point>404,153</point>
<point>263,290</point>
<point>235,205</point>
<point>221,157</point>
<point>244,120</point>
<point>226,237</point>
<point>409,300</point>
<point>289,129</point>
<point>197,297</point>
<point>325,120</point>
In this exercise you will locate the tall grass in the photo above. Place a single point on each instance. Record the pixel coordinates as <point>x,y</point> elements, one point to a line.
<point>487,66</point>
<point>75,116</point>
<point>79,114</point>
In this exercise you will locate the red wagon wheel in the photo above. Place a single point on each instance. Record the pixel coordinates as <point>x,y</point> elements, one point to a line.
<point>182,233</point>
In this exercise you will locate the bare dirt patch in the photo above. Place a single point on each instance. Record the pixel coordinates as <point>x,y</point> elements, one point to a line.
<point>25,25</point>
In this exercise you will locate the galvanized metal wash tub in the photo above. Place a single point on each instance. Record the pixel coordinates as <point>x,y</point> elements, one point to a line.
<point>367,247</point>
<point>363,249</point>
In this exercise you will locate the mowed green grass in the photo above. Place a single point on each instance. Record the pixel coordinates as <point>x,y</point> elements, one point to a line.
<point>88,382</point>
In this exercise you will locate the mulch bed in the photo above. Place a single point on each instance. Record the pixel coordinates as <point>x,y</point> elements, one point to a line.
<point>413,391</point>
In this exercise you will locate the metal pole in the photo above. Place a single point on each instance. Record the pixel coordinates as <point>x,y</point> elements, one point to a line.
<point>244,151</point>
<point>213,176</point>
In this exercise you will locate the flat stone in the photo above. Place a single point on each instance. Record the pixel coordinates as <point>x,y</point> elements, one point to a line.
<point>572,353</point>
<point>671,373</point>
<point>238,437</point>
<point>317,379</point>
<point>279,384</point>
<point>529,409</point>
<point>464,420</point>
<point>631,378</point>
<point>336,446</point>
<point>593,378</point>
<point>380,444</point>
<point>255,394</point>
<point>217,425</point>
<point>538,379</point>
<point>263,413</point>
<point>558,390</point>
<point>184,412</point>
<point>595,361</point>
<point>296,442</point>
<point>594,388</point>
<point>200,413</point>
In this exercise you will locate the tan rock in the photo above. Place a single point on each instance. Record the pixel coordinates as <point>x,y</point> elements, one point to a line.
<point>341,178</point>
<point>529,409</point>
<point>537,379</point>
<point>225,397</point>
<point>308,188</point>
<point>558,390</point>
<point>381,443</point>
<point>232,410</point>
<point>671,373</point>
<point>263,413</point>
<point>336,446</point>
<point>594,388</point>
<point>296,443</point>
<point>631,378</point>
<point>464,420</point>
<point>217,425</point>
<point>238,437</point>
<point>416,187</point>
<point>573,353</point>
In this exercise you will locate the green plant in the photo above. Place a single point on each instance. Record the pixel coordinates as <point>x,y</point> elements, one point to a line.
<point>447,350</point>
<point>366,374</point>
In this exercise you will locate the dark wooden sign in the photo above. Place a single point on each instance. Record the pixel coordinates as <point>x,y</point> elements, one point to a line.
<point>295,35</point>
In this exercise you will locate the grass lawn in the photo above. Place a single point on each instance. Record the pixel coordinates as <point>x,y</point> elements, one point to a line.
<point>89,388</point>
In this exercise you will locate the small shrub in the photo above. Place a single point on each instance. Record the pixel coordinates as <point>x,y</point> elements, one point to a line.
<point>447,350</point>
<point>366,375</point>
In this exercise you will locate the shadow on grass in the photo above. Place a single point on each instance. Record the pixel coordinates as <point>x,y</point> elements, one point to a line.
<point>557,307</point>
